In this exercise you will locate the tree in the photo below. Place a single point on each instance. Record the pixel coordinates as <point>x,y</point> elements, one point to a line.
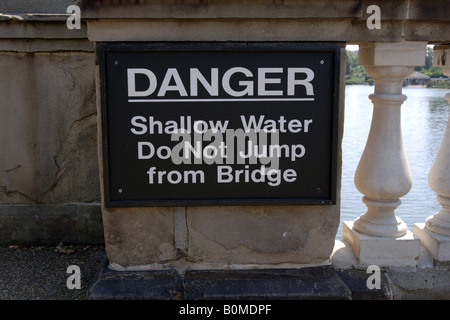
<point>354,73</point>
<point>428,68</point>
<point>352,62</point>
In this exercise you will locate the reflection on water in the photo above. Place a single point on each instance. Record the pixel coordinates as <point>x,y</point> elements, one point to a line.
<point>424,120</point>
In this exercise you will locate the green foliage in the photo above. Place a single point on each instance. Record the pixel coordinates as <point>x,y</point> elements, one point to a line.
<point>439,84</point>
<point>355,74</point>
<point>428,68</point>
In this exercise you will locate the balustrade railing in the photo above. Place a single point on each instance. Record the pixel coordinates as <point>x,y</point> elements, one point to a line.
<point>383,174</point>
<point>435,232</point>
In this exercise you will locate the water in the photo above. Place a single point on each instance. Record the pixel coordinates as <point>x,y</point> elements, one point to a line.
<point>424,120</point>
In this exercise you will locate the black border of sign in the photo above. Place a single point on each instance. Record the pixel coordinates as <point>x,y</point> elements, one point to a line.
<point>103,48</point>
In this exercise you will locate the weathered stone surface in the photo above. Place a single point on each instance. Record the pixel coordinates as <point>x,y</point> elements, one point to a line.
<point>220,30</point>
<point>305,283</point>
<point>431,31</point>
<point>403,251</point>
<point>41,6</point>
<point>424,10</point>
<point>424,284</point>
<point>407,53</point>
<point>170,284</point>
<point>138,237</point>
<point>216,9</point>
<point>265,20</point>
<point>49,186</point>
<point>356,280</point>
<point>48,121</point>
<point>261,235</point>
<point>150,285</point>
<point>221,9</point>
<point>437,244</point>
<point>19,28</point>
<point>49,224</point>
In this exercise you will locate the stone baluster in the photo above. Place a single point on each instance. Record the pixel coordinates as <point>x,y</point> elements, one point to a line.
<point>435,232</point>
<point>383,175</point>
<point>439,181</point>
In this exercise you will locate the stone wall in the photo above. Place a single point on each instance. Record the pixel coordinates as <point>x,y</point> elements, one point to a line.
<point>266,20</point>
<point>49,189</point>
<point>210,236</point>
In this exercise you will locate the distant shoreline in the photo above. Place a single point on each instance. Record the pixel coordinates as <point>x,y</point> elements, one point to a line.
<point>421,86</point>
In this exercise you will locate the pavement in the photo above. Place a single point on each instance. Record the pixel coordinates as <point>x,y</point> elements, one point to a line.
<point>41,273</point>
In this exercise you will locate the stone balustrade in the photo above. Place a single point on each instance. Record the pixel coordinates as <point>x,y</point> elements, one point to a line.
<point>383,173</point>
<point>291,236</point>
<point>435,232</point>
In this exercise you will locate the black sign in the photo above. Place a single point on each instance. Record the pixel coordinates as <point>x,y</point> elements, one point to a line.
<point>215,124</point>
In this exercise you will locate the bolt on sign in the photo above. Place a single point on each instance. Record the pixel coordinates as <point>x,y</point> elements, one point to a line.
<point>219,124</point>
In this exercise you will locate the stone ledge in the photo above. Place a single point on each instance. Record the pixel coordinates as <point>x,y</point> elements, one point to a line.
<point>403,252</point>
<point>424,284</point>
<point>223,9</point>
<point>318,9</point>
<point>41,33</point>
<point>340,280</point>
<point>36,6</point>
<point>168,284</point>
<point>48,224</point>
<point>50,27</point>
<point>428,281</point>
<point>356,280</point>
<point>308,283</point>
<point>438,245</point>
<point>304,283</point>
<point>47,17</point>
<point>46,45</point>
<point>125,285</point>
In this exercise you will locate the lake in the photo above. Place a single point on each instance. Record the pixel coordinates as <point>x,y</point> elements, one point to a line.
<point>424,120</point>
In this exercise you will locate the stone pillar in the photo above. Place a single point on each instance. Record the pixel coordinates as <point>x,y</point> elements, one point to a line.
<point>435,232</point>
<point>383,175</point>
